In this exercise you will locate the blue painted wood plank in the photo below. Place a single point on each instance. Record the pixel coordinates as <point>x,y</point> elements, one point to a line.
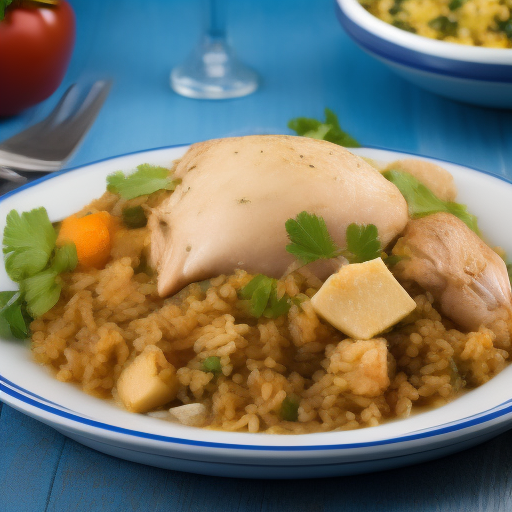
<point>29,455</point>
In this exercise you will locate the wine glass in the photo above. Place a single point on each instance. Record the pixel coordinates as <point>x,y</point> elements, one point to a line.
<point>213,71</point>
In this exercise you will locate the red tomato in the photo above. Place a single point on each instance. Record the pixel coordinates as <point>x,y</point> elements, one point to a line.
<point>36,45</point>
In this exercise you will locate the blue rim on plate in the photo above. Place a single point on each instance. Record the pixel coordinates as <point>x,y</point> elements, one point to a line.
<point>420,61</point>
<point>29,398</point>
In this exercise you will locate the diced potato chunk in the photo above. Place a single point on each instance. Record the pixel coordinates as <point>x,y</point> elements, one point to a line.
<point>192,415</point>
<point>363,299</point>
<point>363,365</point>
<point>148,382</point>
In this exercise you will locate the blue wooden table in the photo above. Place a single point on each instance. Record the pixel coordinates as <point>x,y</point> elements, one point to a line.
<point>306,63</point>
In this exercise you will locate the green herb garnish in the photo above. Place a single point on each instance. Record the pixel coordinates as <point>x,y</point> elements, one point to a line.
<point>42,290</point>
<point>311,241</point>
<point>212,365</point>
<point>290,408</point>
<point>329,130</point>
<point>456,4</point>
<point>363,243</point>
<point>421,201</point>
<point>444,25</point>
<point>403,25</point>
<point>261,294</point>
<point>509,272</point>
<point>13,316</point>
<point>505,26</point>
<point>134,217</point>
<point>34,263</point>
<point>145,180</point>
<point>28,242</point>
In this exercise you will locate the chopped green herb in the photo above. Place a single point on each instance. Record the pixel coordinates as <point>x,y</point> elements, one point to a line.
<point>392,260</point>
<point>134,217</point>
<point>403,25</point>
<point>309,238</point>
<point>329,130</point>
<point>363,243</point>
<point>261,294</point>
<point>13,318</point>
<point>145,180</point>
<point>290,408</point>
<point>456,4</point>
<point>505,26</point>
<point>509,272</point>
<point>444,25</point>
<point>396,7</point>
<point>3,5</point>
<point>28,243</point>
<point>422,201</point>
<point>212,365</point>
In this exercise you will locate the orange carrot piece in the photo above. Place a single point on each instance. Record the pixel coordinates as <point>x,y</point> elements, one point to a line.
<point>91,235</point>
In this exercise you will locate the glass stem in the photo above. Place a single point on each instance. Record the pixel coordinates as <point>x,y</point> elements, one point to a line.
<point>216,19</point>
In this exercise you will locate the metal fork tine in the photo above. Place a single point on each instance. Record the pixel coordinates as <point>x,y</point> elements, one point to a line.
<point>65,103</point>
<point>46,145</point>
<point>64,107</point>
<point>73,129</point>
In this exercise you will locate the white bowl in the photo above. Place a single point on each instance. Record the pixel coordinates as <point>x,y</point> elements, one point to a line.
<point>471,419</point>
<point>481,76</point>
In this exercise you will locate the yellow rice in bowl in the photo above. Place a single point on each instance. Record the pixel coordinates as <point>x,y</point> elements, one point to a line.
<point>106,318</point>
<point>486,23</point>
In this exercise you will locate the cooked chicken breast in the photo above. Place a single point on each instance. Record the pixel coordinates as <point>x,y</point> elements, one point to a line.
<point>467,277</point>
<point>236,194</point>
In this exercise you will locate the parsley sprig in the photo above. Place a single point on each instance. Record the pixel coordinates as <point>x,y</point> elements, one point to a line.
<point>421,201</point>
<point>310,240</point>
<point>144,181</point>
<point>329,130</point>
<point>34,262</point>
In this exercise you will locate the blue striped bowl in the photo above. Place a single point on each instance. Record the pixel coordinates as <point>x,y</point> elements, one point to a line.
<point>476,75</point>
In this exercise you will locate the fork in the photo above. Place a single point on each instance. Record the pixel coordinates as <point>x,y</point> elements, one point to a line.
<point>45,146</point>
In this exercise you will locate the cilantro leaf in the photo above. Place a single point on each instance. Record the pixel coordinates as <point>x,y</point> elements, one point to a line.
<point>309,238</point>
<point>363,243</point>
<point>329,130</point>
<point>12,317</point>
<point>261,295</point>
<point>65,259</point>
<point>3,5</point>
<point>28,243</point>
<point>41,292</point>
<point>421,201</point>
<point>145,180</point>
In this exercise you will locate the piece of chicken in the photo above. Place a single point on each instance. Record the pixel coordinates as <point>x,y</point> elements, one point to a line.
<point>236,194</point>
<point>466,277</point>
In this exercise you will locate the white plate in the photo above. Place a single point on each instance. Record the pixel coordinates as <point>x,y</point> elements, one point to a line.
<point>471,419</point>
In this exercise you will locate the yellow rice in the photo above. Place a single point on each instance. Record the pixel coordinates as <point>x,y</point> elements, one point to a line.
<point>105,318</point>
